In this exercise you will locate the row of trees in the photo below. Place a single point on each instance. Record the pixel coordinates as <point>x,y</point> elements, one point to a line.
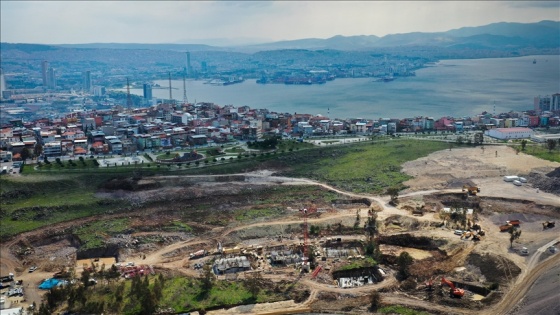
<point>141,298</point>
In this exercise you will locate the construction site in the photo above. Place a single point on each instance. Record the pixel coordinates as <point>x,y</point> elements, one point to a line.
<point>446,245</point>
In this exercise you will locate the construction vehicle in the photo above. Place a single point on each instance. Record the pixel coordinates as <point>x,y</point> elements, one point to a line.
<point>506,227</point>
<point>430,285</point>
<point>476,238</point>
<point>548,225</point>
<point>514,222</point>
<point>453,291</point>
<point>471,190</point>
<point>198,254</point>
<point>467,235</point>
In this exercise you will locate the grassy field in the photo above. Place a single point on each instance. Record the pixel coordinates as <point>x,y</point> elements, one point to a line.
<point>92,235</point>
<point>397,309</point>
<point>37,200</point>
<point>367,167</point>
<point>542,152</point>
<point>41,198</point>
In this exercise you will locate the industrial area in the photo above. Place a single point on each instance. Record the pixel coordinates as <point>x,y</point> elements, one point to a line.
<point>459,222</point>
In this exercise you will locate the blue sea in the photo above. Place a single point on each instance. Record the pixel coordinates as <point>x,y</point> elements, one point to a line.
<point>457,88</point>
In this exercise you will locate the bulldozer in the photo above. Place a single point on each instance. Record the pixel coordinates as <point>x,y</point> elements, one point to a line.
<point>471,190</point>
<point>548,225</point>
<point>453,291</point>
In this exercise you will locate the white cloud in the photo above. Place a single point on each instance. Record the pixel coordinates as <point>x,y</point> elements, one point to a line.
<point>172,21</point>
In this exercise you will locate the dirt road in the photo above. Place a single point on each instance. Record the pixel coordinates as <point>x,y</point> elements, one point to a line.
<point>525,280</point>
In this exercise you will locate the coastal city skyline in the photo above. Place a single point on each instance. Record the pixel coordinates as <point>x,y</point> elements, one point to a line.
<point>249,22</point>
<point>279,157</point>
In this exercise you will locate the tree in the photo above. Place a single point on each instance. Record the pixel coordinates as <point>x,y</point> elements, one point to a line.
<point>514,233</point>
<point>404,261</point>
<point>38,150</point>
<point>550,144</point>
<point>375,300</point>
<point>253,283</point>
<point>206,279</point>
<point>394,193</point>
<point>371,225</point>
<point>85,278</point>
<point>523,144</point>
<point>25,154</point>
<point>358,219</point>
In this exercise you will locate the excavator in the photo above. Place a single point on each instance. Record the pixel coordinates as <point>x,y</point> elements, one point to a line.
<point>455,292</point>
<point>467,235</point>
<point>471,190</point>
<point>548,225</point>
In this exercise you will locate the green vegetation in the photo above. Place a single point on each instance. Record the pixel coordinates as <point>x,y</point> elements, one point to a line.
<point>542,152</point>
<point>359,263</point>
<point>184,294</point>
<point>251,214</point>
<point>179,226</point>
<point>397,309</point>
<point>92,235</point>
<point>366,167</point>
<point>38,200</point>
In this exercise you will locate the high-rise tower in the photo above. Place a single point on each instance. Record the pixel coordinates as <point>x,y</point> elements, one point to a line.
<point>86,86</point>
<point>44,69</point>
<point>147,89</point>
<point>51,79</point>
<point>2,84</point>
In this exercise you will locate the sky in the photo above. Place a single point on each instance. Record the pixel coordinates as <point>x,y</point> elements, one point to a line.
<point>248,22</point>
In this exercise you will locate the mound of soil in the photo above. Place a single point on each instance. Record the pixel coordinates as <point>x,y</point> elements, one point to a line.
<point>547,182</point>
<point>409,240</point>
<point>494,268</point>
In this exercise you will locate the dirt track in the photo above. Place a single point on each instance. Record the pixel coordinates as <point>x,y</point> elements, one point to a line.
<point>442,171</point>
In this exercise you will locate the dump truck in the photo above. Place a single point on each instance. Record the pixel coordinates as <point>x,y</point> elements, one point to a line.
<point>506,227</point>
<point>471,190</point>
<point>514,222</point>
<point>198,254</point>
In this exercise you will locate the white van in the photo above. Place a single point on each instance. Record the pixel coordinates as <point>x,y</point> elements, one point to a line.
<point>517,183</point>
<point>522,179</point>
<point>510,178</point>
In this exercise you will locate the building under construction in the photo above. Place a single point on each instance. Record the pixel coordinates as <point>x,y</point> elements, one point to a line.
<point>231,265</point>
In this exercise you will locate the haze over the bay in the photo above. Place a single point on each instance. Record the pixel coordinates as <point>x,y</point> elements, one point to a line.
<point>248,22</point>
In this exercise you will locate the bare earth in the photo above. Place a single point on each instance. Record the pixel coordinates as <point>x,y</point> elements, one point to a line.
<point>440,172</point>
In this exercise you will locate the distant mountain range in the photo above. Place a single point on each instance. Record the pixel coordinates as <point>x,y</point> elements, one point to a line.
<point>497,36</point>
<point>544,34</point>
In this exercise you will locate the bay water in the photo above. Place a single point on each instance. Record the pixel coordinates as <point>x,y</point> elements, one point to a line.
<point>458,88</point>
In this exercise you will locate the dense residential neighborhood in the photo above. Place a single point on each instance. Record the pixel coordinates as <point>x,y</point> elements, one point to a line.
<point>168,125</point>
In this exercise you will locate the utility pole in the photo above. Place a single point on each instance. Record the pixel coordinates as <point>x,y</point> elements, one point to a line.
<point>128,97</point>
<point>170,94</point>
<point>185,100</point>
